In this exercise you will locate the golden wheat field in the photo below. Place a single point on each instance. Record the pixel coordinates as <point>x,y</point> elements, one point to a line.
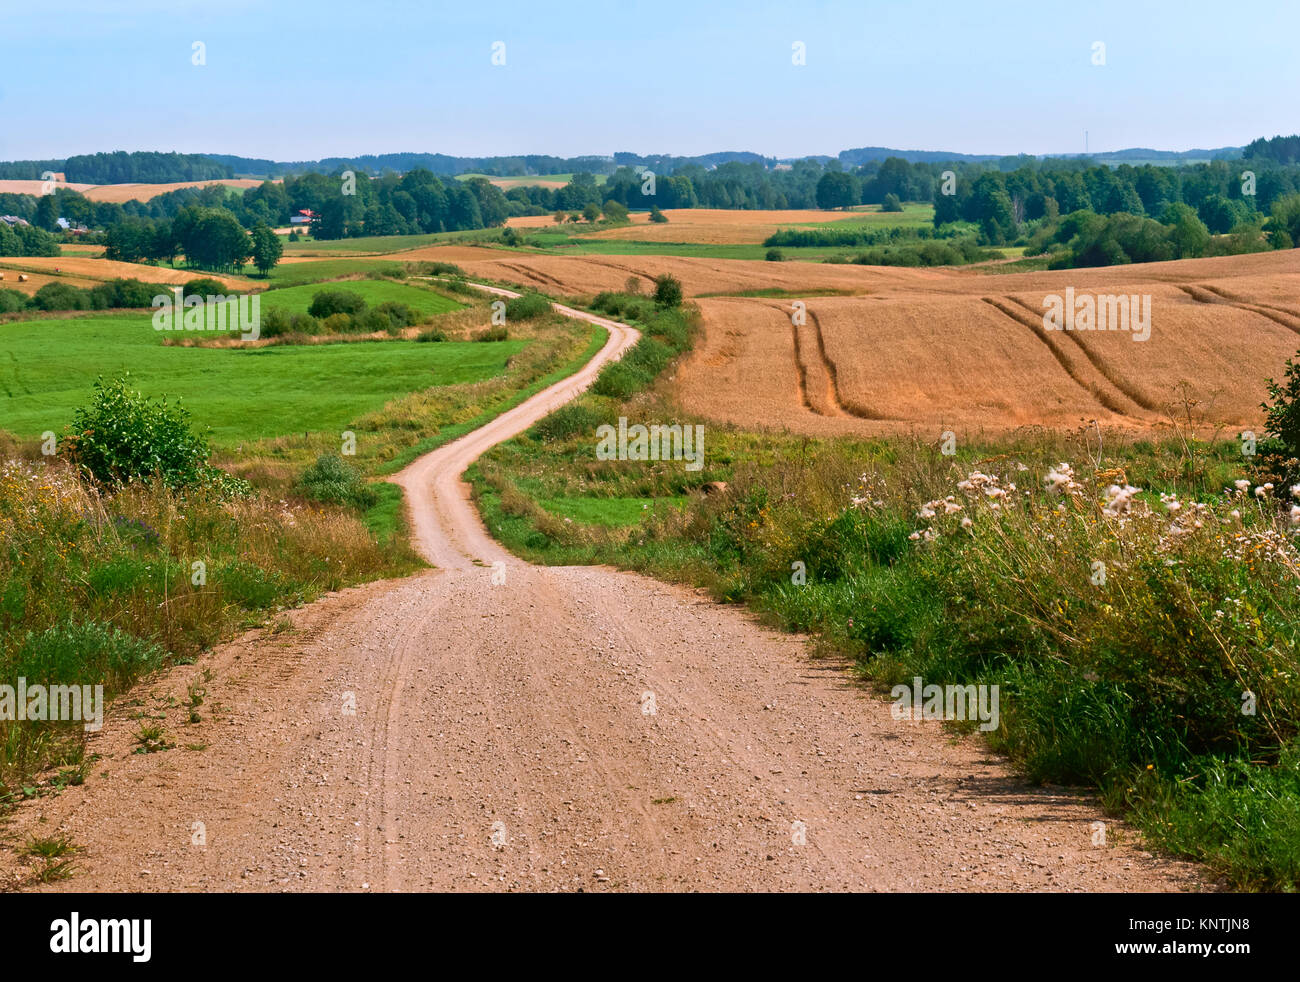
<point>80,270</point>
<point>35,281</point>
<point>934,349</point>
<point>971,353</point>
<point>119,193</point>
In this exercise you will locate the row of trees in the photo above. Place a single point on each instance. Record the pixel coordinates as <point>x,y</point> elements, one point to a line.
<point>27,240</point>
<point>209,238</point>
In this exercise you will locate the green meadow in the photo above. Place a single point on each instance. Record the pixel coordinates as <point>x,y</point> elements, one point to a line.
<point>296,299</point>
<point>47,368</point>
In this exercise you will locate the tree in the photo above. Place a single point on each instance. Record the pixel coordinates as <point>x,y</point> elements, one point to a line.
<point>891,203</point>
<point>1283,226</point>
<point>657,216</point>
<point>267,249</point>
<point>1189,236</point>
<point>47,213</point>
<point>591,212</point>
<point>211,238</point>
<point>558,217</point>
<point>668,291</point>
<point>837,190</point>
<point>614,211</point>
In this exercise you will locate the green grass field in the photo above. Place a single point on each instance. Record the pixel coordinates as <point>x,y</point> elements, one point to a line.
<point>296,299</point>
<point>610,512</point>
<point>913,215</point>
<point>324,269</point>
<point>378,245</point>
<point>235,395</point>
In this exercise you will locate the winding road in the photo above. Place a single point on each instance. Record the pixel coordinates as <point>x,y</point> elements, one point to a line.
<point>552,729</point>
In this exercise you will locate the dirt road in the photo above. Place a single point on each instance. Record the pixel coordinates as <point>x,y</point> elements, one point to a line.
<point>562,729</point>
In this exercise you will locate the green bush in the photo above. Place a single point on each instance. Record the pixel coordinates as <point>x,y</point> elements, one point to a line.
<point>569,420</point>
<point>333,481</point>
<point>527,306</point>
<point>61,296</point>
<point>399,315</point>
<point>205,286</point>
<point>371,321</point>
<point>495,333</point>
<point>774,256</point>
<point>11,301</point>
<point>339,323</point>
<point>1278,459</point>
<point>122,436</point>
<point>328,302</point>
<point>432,334</point>
<point>118,294</point>
<point>276,323</point>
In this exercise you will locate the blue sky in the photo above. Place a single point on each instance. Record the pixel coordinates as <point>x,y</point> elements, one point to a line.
<point>292,80</point>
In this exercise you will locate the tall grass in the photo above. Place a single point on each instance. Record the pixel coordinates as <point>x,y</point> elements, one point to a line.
<point>101,588</point>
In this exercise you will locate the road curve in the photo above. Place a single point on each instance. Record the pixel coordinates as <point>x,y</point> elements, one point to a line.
<point>444,524</point>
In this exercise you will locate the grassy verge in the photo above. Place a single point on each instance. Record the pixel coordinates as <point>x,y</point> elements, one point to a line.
<point>1143,642</point>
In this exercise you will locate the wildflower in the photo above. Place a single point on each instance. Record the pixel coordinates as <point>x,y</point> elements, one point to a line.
<point>966,522</point>
<point>1061,478</point>
<point>1241,485</point>
<point>1118,500</point>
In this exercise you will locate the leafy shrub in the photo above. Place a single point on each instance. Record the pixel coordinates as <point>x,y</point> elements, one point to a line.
<point>657,216</point>
<point>276,323</point>
<point>608,302</point>
<point>569,420</point>
<point>11,301</point>
<point>117,294</point>
<point>497,332</point>
<point>774,256</point>
<point>205,286</point>
<point>891,203</point>
<point>1278,459</point>
<point>61,296</point>
<point>370,321</point>
<point>527,306</point>
<point>339,323</point>
<point>122,436</point>
<point>399,314</point>
<point>432,334</point>
<point>333,481</point>
<point>329,302</point>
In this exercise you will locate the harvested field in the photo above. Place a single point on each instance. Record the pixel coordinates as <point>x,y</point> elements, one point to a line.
<point>34,187</point>
<point>968,354</point>
<point>119,193</point>
<point>37,280</point>
<point>74,269</point>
